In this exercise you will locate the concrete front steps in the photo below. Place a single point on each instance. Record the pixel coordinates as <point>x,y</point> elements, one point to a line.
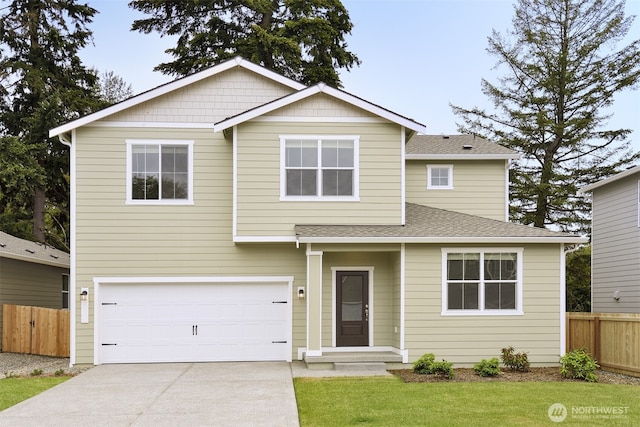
<point>353,361</point>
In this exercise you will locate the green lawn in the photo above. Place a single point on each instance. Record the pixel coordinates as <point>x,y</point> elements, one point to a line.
<point>390,402</point>
<point>15,390</point>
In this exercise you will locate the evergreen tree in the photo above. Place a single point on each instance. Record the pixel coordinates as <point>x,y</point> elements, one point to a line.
<point>113,88</point>
<point>301,39</point>
<point>579,279</point>
<point>551,105</point>
<point>43,85</point>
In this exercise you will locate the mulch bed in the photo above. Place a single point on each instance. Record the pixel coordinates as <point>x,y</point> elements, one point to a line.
<point>506,375</point>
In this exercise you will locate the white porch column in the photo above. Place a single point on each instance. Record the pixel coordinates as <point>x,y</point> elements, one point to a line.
<point>314,302</point>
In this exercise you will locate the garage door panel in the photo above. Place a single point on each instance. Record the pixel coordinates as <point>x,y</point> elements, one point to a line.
<point>194,322</point>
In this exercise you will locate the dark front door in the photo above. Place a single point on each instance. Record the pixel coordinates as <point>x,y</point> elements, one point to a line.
<point>352,306</point>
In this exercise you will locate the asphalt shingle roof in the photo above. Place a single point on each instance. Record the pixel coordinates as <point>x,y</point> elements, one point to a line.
<point>428,224</point>
<point>455,144</point>
<point>25,250</point>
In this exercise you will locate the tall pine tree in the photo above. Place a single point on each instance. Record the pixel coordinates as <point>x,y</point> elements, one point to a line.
<point>43,85</point>
<point>551,105</point>
<point>301,39</point>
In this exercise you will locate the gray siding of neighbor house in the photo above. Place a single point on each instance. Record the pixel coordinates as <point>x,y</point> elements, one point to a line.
<point>26,283</point>
<point>616,247</point>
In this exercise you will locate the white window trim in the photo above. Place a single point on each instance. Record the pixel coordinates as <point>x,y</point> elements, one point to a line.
<point>130,143</point>
<point>638,203</point>
<point>482,312</point>
<point>319,198</point>
<point>431,186</point>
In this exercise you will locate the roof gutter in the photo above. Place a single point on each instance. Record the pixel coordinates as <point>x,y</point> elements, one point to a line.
<point>479,240</point>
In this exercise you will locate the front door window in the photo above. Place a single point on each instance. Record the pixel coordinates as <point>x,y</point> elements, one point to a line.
<point>352,305</point>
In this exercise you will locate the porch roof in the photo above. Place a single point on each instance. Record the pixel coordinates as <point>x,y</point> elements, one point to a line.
<point>425,224</point>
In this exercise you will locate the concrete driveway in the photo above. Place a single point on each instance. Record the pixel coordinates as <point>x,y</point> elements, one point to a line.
<point>166,394</point>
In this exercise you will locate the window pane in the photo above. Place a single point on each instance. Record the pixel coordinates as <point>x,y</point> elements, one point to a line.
<point>492,266</point>
<point>471,266</point>
<point>508,296</point>
<point>440,177</point>
<point>330,153</point>
<point>301,182</point>
<point>294,156</point>
<point>455,266</point>
<point>345,154</point>
<point>492,296</point>
<point>337,183</point>
<point>470,296</point>
<point>500,296</point>
<point>509,267</point>
<point>352,298</point>
<point>455,296</point>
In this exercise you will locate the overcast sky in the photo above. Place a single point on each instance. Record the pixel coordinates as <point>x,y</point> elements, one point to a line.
<point>417,55</point>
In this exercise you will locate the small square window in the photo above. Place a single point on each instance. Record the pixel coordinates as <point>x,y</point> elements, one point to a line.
<point>440,177</point>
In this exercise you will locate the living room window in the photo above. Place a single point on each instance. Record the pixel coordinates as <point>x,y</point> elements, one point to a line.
<point>482,281</point>
<point>319,168</point>
<point>159,172</point>
<point>439,177</point>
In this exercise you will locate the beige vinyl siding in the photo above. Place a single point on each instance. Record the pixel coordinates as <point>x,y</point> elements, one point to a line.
<point>616,247</point>
<point>115,239</point>
<point>478,187</point>
<point>382,298</point>
<point>208,101</point>
<point>27,283</point>
<point>260,211</point>
<point>465,340</point>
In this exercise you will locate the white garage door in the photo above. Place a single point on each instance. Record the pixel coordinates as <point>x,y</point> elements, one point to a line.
<point>203,322</point>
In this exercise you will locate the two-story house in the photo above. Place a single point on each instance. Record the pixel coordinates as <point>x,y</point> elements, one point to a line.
<point>615,243</point>
<point>238,215</point>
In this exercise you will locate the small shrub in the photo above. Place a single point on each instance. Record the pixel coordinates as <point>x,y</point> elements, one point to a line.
<point>488,368</point>
<point>36,372</point>
<point>423,365</point>
<point>10,374</point>
<point>59,372</point>
<point>443,368</point>
<point>515,361</point>
<point>578,364</point>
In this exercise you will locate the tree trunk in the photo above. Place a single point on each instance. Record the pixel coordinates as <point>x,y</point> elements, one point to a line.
<point>38,214</point>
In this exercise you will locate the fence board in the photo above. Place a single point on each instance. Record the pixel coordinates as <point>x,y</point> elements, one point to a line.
<point>35,330</point>
<point>613,339</point>
<point>16,328</point>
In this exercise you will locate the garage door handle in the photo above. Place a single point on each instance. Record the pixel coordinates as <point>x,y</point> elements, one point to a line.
<point>278,302</point>
<point>194,330</point>
<point>278,342</point>
<point>109,344</point>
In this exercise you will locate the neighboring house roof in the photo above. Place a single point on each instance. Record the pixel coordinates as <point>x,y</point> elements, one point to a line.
<point>313,90</point>
<point>591,187</point>
<point>25,250</point>
<point>174,85</point>
<point>432,147</point>
<point>431,225</point>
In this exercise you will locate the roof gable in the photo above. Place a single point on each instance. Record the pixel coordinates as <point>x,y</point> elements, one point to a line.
<point>311,91</point>
<point>631,171</point>
<point>173,86</point>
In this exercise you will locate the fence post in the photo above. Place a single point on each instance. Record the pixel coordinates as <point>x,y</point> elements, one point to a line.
<point>596,344</point>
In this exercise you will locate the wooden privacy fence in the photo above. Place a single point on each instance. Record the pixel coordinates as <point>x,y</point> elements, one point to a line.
<point>613,339</point>
<point>35,330</point>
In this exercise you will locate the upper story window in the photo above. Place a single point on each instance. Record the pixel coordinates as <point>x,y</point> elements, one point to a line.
<point>482,281</point>
<point>440,177</point>
<point>159,172</point>
<point>319,168</point>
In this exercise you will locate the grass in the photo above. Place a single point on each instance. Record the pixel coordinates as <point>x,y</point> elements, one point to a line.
<point>390,402</point>
<point>15,390</point>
